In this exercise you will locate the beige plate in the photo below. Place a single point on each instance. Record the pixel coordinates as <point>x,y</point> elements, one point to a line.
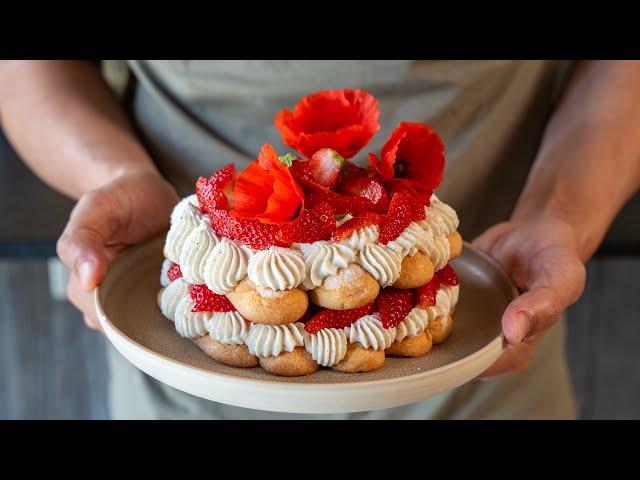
<point>126,306</point>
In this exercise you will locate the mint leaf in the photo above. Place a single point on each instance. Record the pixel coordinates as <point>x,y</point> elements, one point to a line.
<point>287,159</point>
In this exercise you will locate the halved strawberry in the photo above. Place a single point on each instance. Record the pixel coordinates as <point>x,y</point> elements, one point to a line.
<point>337,318</point>
<point>368,187</point>
<point>394,305</point>
<point>217,190</point>
<point>302,172</point>
<point>174,272</point>
<point>249,232</point>
<point>426,294</point>
<point>342,204</point>
<point>403,209</point>
<point>315,224</point>
<point>204,300</point>
<point>326,165</point>
<point>447,275</point>
<point>361,221</point>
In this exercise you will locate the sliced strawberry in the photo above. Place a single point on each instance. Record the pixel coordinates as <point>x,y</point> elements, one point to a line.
<point>361,221</point>
<point>216,191</point>
<point>174,272</point>
<point>302,172</point>
<point>447,275</point>
<point>419,197</point>
<point>342,204</point>
<point>426,294</point>
<point>315,224</point>
<point>337,318</point>
<point>351,170</point>
<point>394,305</point>
<point>249,232</point>
<point>204,300</point>
<point>326,165</point>
<point>403,209</point>
<point>368,187</point>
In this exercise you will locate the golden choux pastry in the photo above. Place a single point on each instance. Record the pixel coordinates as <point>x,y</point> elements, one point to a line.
<point>233,355</point>
<point>272,308</point>
<point>351,288</point>
<point>290,364</point>
<point>416,270</point>
<point>440,328</point>
<point>360,359</point>
<point>411,346</point>
<point>455,245</point>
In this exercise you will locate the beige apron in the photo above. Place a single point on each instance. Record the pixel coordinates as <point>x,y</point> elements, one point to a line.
<point>195,116</point>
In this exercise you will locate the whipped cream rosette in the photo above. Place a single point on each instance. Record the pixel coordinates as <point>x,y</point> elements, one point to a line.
<point>304,261</point>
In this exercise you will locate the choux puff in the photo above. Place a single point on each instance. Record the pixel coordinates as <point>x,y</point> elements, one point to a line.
<point>367,341</point>
<point>220,335</point>
<point>270,294</point>
<point>439,328</point>
<point>281,349</point>
<point>455,244</point>
<point>416,270</point>
<point>412,339</point>
<point>333,279</point>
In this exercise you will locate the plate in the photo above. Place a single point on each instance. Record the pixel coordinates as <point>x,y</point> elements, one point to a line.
<point>127,309</point>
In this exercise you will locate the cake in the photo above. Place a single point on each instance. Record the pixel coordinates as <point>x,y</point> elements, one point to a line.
<point>306,260</point>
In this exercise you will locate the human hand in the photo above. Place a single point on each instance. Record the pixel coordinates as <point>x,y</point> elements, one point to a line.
<point>542,258</point>
<point>130,209</point>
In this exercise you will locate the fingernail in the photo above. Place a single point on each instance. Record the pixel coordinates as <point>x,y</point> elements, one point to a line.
<point>519,327</point>
<point>84,271</point>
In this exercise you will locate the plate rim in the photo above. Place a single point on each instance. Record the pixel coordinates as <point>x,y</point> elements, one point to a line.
<point>306,386</point>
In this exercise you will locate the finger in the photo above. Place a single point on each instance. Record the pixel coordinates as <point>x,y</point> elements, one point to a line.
<point>83,243</point>
<point>515,359</point>
<point>486,240</point>
<point>83,301</point>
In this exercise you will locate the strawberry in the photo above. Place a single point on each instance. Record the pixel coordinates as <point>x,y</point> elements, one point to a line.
<point>361,221</point>
<point>368,187</point>
<point>174,272</point>
<point>315,224</point>
<point>341,203</point>
<point>326,165</point>
<point>394,305</point>
<point>337,318</point>
<point>204,300</point>
<point>250,232</point>
<point>403,209</point>
<point>216,191</point>
<point>301,170</point>
<point>447,275</point>
<point>426,294</point>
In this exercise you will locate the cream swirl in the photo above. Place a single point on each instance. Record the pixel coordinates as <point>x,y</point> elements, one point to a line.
<point>228,328</point>
<point>381,263</point>
<point>171,296</point>
<point>196,250</point>
<point>272,340</point>
<point>412,239</point>
<point>178,210</point>
<point>190,324</point>
<point>446,299</point>
<point>438,252</point>
<point>187,220</point>
<point>413,324</point>
<point>448,217</point>
<point>323,259</point>
<point>164,272</point>
<point>277,268</point>
<point>327,346</point>
<point>226,266</point>
<point>361,237</point>
<point>369,332</point>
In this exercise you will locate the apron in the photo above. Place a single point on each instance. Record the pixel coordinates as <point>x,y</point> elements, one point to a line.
<point>194,116</point>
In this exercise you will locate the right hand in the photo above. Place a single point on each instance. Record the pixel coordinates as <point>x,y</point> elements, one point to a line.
<point>131,208</point>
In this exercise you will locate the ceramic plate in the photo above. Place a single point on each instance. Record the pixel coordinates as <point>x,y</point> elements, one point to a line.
<point>131,319</point>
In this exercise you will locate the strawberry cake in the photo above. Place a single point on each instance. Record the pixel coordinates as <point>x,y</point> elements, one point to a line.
<point>306,260</point>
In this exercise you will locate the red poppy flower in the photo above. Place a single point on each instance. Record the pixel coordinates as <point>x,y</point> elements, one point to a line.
<point>266,191</point>
<point>414,154</point>
<point>344,120</point>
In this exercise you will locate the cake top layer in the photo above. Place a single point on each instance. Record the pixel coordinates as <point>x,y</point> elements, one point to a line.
<point>319,194</point>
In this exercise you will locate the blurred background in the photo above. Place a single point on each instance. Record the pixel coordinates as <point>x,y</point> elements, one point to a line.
<point>55,368</point>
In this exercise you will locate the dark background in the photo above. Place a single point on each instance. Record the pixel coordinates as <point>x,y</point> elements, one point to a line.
<point>52,367</point>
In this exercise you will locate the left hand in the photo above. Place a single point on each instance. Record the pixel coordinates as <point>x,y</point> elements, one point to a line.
<point>542,258</point>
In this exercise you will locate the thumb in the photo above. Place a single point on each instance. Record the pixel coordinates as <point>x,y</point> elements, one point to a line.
<point>83,244</point>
